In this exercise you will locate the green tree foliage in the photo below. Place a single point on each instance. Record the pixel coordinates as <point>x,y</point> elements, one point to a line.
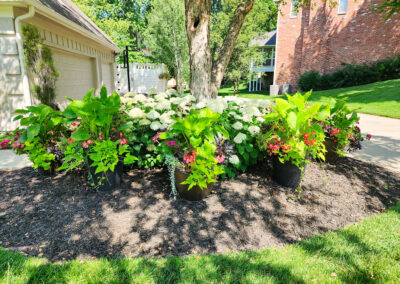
<point>124,21</point>
<point>261,19</point>
<point>166,36</point>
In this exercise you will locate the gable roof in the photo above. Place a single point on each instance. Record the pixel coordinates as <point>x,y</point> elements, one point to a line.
<point>268,39</point>
<point>69,10</point>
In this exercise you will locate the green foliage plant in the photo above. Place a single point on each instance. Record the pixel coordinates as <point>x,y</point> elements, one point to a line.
<point>191,141</point>
<point>341,127</point>
<point>39,135</point>
<point>291,133</point>
<point>39,59</point>
<point>97,139</point>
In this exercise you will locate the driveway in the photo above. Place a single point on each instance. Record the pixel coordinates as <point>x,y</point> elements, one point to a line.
<point>384,147</point>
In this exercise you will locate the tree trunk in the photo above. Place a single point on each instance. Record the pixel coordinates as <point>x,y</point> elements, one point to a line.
<point>197,14</point>
<point>219,67</point>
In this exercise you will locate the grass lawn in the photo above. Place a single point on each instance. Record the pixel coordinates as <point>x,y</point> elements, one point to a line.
<point>380,98</point>
<point>243,92</point>
<point>363,253</point>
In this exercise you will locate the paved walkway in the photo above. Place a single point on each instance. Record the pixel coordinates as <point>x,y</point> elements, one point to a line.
<point>384,147</point>
<point>9,160</point>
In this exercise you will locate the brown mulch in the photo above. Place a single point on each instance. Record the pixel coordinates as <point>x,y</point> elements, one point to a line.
<point>60,218</point>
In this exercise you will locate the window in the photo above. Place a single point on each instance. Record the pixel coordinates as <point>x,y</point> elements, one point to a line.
<point>294,9</point>
<point>342,7</point>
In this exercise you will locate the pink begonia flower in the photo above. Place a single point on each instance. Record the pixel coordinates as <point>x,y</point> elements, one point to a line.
<point>369,136</point>
<point>4,143</point>
<point>155,138</point>
<point>123,141</point>
<point>220,159</point>
<point>85,145</point>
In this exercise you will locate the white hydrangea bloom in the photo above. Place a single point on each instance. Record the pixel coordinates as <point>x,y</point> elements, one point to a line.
<point>153,115</point>
<point>189,98</point>
<point>261,119</point>
<point>155,125</point>
<point>239,138</point>
<point>200,105</point>
<point>175,100</point>
<point>247,118</point>
<point>237,125</point>
<point>151,147</point>
<point>217,105</point>
<point>254,129</point>
<point>144,122</point>
<point>252,111</point>
<point>136,113</point>
<point>160,96</point>
<point>129,95</point>
<point>264,103</point>
<point>166,119</point>
<point>163,105</point>
<point>139,98</point>
<point>234,160</point>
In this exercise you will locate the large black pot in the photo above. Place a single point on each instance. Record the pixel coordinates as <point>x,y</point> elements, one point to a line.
<point>193,194</point>
<point>108,180</point>
<point>331,155</point>
<point>286,174</point>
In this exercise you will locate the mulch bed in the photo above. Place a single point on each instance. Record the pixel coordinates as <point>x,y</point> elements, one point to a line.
<point>60,218</point>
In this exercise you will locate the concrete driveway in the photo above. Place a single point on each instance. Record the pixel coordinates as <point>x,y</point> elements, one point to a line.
<point>9,160</point>
<point>384,147</point>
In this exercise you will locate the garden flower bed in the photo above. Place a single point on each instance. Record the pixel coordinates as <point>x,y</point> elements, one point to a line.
<point>62,218</point>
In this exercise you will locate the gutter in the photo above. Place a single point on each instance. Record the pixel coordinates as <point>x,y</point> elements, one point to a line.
<point>25,82</point>
<point>41,9</point>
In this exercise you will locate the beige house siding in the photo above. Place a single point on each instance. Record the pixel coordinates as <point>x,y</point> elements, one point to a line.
<point>11,90</point>
<point>83,63</point>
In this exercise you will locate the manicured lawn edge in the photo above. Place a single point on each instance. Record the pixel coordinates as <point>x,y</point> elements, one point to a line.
<point>365,252</point>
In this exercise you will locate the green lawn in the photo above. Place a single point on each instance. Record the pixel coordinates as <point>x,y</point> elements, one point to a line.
<point>363,253</point>
<point>380,98</point>
<point>243,92</point>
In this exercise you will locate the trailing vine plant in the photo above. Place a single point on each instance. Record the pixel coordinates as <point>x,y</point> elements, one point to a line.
<point>39,59</point>
<point>171,163</point>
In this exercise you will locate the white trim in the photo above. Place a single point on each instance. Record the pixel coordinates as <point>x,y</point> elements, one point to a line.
<point>276,45</point>
<point>25,82</point>
<point>345,7</point>
<point>41,9</point>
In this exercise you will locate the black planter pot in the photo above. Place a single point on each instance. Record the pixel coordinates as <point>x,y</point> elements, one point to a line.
<point>109,180</point>
<point>286,174</point>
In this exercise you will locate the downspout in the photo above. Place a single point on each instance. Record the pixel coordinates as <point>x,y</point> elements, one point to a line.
<point>25,82</point>
<point>276,43</point>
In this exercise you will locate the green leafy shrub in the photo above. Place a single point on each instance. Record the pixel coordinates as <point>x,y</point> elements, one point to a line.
<point>309,81</point>
<point>290,132</point>
<point>97,138</point>
<point>41,132</point>
<point>352,75</point>
<point>191,141</point>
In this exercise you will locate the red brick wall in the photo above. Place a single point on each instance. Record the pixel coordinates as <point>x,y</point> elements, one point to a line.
<point>321,39</point>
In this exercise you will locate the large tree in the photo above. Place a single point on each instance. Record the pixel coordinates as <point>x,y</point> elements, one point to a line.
<point>205,77</point>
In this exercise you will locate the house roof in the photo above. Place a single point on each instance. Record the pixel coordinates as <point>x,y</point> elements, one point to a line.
<point>267,39</point>
<point>70,11</point>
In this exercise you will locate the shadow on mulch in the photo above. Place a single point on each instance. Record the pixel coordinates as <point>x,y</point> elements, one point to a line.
<point>60,218</point>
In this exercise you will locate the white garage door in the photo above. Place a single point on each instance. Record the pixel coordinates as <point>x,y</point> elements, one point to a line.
<point>77,75</point>
<point>108,78</point>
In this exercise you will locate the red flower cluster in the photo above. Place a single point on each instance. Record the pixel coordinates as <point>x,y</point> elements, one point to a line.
<point>308,140</point>
<point>335,131</point>
<point>189,159</point>
<point>273,149</point>
<point>123,140</point>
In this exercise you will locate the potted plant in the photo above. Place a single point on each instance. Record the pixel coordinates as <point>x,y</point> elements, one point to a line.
<point>97,139</point>
<point>291,138</point>
<point>39,136</point>
<point>341,131</point>
<point>191,142</point>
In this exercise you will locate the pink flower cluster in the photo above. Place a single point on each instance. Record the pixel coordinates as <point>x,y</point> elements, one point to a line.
<point>170,143</point>
<point>4,143</point>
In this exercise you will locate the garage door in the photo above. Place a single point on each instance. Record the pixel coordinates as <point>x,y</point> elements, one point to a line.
<point>77,75</point>
<point>108,78</point>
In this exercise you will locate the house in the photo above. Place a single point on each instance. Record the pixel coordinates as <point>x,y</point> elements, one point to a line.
<point>323,38</point>
<point>83,55</point>
<point>262,69</point>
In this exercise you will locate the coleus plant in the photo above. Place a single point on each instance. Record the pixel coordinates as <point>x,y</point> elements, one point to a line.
<point>39,135</point>
<point>290,133</point>
<point>191,141</point>
<point>97,138</point>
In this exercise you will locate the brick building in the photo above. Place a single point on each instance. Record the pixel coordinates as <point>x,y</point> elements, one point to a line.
<point>323,38</point>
